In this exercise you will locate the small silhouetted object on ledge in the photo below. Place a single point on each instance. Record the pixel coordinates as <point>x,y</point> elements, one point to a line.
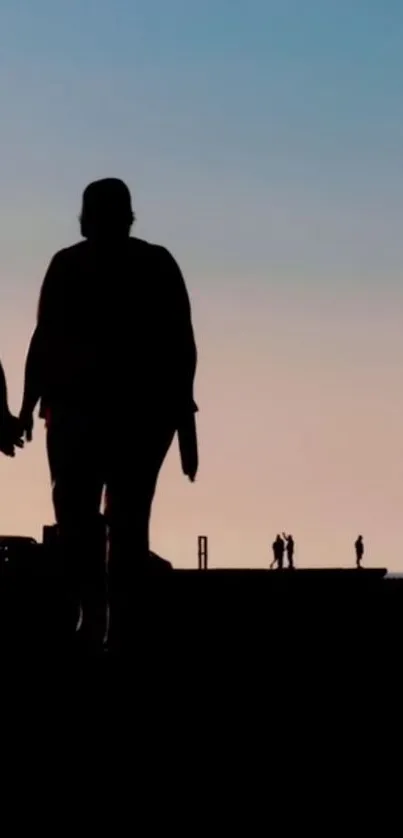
<point>156,564</point>
<point>278,548</point>
<point>112,362</point>
<point>359,551</point>
<point>289,547</point>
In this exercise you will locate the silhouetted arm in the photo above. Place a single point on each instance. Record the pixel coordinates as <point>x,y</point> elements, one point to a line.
<point>181,329</point>
<point>3,395</point>
<point>32,381</point>
<point>36,357</point>
<point>184,357</point>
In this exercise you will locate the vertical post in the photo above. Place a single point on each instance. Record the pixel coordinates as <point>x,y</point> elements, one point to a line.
<point>202,542</point>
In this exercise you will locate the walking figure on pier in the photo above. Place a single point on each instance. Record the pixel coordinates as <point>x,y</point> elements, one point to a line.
<point>359,551</point>
<point>278,547</point>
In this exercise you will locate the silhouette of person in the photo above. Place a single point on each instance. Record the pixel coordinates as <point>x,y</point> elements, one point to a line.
<point>278,547</point>
<point>112,361</point>
<point>289,547</point>
<point>359,551</point>
<point>10,436</point>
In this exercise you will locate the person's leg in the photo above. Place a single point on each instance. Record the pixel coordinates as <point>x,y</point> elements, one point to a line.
<point>76,474</point>
<point>131,484</point>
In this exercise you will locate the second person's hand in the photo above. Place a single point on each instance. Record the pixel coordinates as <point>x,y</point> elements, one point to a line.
<point>26,424</point>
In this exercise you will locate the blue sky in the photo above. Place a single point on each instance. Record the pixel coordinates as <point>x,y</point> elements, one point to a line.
<point>263,143</point>
<point>232,109</point>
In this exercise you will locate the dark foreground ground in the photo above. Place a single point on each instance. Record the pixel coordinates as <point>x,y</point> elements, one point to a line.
<point>221,616</point>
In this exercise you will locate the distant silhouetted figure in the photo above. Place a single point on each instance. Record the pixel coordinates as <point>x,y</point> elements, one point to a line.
<point>112,360</point>
<point>10,436</point>
<point>290,547</point>
<point>359,551</point>
<point>278,551</point>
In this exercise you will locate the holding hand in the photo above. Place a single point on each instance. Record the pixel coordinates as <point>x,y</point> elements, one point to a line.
<point>10,435</point>
<point>26,424</point>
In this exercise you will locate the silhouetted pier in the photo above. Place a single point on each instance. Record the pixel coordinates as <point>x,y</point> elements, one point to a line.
<point>236,610</point>
<point>305,576</point>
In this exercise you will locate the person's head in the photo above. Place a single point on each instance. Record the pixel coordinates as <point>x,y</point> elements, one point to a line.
<point>106,210</point>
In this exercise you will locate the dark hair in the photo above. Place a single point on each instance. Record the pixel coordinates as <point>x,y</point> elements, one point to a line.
<point>106,209</point>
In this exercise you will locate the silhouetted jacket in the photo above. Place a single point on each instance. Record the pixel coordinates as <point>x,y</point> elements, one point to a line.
<point>114,327</point>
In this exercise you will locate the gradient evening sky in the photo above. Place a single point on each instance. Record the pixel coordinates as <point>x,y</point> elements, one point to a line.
<point>263,143</point>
